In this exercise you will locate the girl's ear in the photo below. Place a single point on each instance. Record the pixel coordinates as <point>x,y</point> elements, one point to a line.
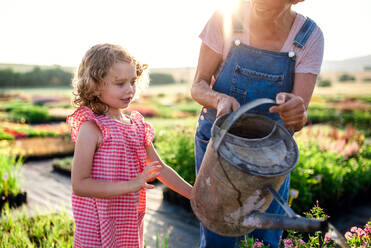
<point>97,92</point>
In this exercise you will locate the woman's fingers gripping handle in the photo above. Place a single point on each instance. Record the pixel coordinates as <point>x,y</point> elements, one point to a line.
<point>291,109</point>
<point>226,104</point>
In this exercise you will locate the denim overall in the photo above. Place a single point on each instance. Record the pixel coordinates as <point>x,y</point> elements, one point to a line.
<point>250,73</point>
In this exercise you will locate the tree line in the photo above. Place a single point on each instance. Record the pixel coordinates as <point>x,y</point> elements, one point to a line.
<point>36,77</point>
<point>58,77</point>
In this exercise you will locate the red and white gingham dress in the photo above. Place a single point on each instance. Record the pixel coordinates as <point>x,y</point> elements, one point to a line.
<point>121,156</point>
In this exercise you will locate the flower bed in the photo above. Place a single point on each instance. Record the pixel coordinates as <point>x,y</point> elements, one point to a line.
<point>342,113</point>
<point>333,177</point>
<point>11,131</point>
<point>355,238</point>
<point>39,146</point>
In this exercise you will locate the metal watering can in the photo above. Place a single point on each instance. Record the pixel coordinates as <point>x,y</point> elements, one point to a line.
<point>245,163</point>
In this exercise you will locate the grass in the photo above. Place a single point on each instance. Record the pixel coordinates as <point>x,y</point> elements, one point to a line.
<point>20,230</point>
<point>350,88</point>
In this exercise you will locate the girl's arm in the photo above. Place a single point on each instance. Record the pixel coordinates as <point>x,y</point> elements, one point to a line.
<point>168,176</point>
<point>88,138</point>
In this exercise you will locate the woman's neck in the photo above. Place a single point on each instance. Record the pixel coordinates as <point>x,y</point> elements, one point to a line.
<point>272,24</point>
<point>270,33</point>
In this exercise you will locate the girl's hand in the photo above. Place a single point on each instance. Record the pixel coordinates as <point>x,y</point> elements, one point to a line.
<point>150,172</point>
<point>226,104</point>
<point>291,109</point>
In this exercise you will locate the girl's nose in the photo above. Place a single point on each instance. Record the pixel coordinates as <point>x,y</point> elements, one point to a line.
<point>130,88</point>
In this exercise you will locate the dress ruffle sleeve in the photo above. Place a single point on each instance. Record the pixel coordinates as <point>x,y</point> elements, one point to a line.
<point>81,115</point>
<point>149,131</point>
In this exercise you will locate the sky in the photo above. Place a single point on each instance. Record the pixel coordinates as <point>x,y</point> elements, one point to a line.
<point>161,33</point>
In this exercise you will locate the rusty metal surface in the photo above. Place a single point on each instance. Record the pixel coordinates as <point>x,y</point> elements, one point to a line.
<point>264,221</point>
<point>223,196</point>
<point>257,145</point>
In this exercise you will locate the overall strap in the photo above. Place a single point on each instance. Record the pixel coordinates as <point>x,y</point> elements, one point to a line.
<point>304,33</point>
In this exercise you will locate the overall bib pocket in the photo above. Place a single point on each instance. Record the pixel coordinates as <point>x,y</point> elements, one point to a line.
<point>248,85</point>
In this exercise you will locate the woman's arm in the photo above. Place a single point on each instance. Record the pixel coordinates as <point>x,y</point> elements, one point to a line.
<point>168,176</point>
<point>293,106</point>
<point>208,63</point>
<point>82,183</point>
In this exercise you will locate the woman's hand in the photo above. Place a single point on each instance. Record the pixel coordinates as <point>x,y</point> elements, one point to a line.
<point>226,104</point>
<point>291,109</point>
<point>150,172</point>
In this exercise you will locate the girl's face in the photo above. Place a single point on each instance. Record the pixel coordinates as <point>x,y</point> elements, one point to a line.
<point>119,86</point>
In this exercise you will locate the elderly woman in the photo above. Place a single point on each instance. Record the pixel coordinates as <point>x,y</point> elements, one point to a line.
<point>264,50</point>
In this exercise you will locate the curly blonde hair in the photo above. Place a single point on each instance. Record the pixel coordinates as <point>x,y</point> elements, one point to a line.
<point>94,66</point>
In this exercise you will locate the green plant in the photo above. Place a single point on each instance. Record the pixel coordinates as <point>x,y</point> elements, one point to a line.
<point>252,243</point>
<point>30,114</point>
<point>64,163</point>
<point>357,237</point>
<point>321,113</point>
<point>328,177</point>
<point>10,174</point>
<point>324,83</point>
<point>346,77</point>
<point>21,230</point>
<point>175,147</point>
<point>166,240</point>
<point>161,78</point>
<point>5,135</point>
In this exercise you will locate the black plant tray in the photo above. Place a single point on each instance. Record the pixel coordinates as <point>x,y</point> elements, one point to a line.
<point>61,170</point>
<point>176,199</point>
<point>13,200</point>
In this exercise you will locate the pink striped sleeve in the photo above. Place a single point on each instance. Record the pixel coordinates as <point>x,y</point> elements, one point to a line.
<point>213,34</point>
<point>311,59</point>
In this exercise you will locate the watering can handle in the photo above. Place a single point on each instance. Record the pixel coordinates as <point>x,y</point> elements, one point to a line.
<point>235,115</point>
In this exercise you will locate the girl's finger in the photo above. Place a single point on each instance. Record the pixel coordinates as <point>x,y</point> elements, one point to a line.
<point>149,168</point>
<point>153,163</point>
<point>152,176</point>
<point>148,186</point>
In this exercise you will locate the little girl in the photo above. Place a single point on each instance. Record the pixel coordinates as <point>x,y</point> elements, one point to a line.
<point>109,171</point>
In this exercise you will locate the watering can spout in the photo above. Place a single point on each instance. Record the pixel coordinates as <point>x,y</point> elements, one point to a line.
<point>281,222</point>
